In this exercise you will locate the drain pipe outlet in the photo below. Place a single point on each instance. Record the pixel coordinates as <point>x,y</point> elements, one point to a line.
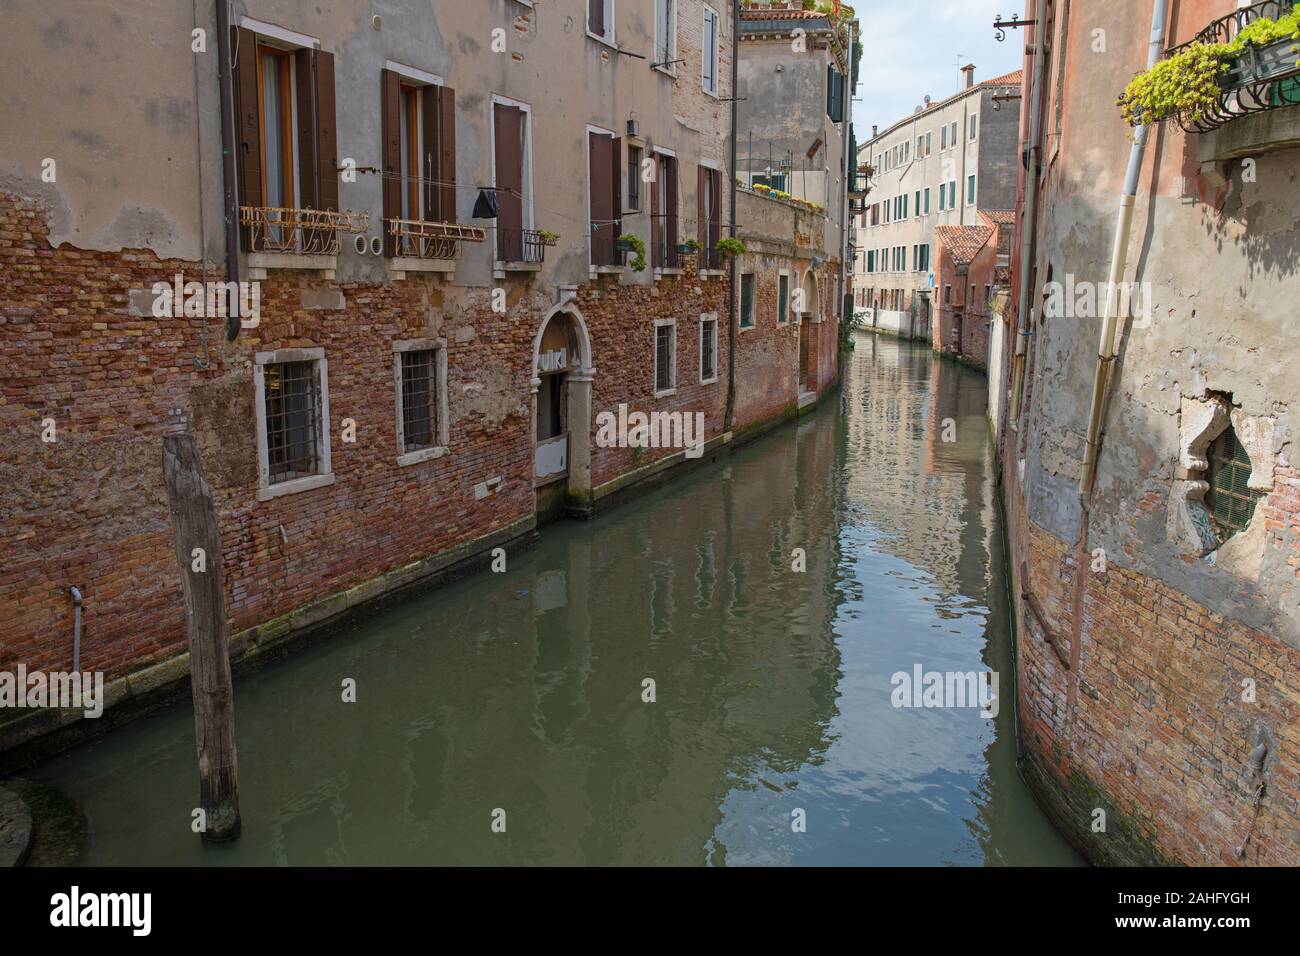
<point>76,629</point>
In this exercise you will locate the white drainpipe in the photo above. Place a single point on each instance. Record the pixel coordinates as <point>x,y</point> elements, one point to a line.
<point>76,629</point>
<point>1111,320</point>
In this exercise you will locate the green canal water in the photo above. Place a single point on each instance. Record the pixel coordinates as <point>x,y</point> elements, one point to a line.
<point>522,691</point>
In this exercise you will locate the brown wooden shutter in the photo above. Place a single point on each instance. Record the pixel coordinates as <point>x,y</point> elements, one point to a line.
<point>715,217</point>
<point>599,187</point>
<point>616,181</point>
<point>327,147</point>
<point>249,128</point>
<point>308,175</point>
<point>657,258</point>
<point>670,171</point>
<point>508,125</point>
<point>439,108</point>
<point>701,210</point>
<point>596,17</point>
<point>390,105</point>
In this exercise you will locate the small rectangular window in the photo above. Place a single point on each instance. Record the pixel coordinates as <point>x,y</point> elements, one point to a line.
<point>292,420</point>
<point>974,125</point>
<point>419,399</point>
<point>943,138</point>
<point>783,297</point>
<point>970,190</point>
<point>927,200</point>
<point>747,300</point>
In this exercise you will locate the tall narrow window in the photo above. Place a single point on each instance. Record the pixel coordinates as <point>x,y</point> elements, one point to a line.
<point>605,162</point>
<point>419,399</point>
<point>600,19</point>
<point>277,126</point>
<point>665,34</point>
<point>709,52</point>
<point>783,293</point>
<point>970,190</point>
<point>708,348</point>
<point>974,125</point>
<point>665,356</point>
<point>663,213</point>
<point>747,300</point>
<point>510,141</point>
<point>634,178</point>
<point>410,146</point>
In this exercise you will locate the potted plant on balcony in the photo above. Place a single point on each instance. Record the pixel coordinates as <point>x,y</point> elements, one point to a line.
<point>629,243</point>
<point>547,238</point>
<point>730,246</point>
<point>1191,83</point>
<point>688,248</point>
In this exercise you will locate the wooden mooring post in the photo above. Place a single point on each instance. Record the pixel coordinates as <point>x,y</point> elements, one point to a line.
<point>198,554</point>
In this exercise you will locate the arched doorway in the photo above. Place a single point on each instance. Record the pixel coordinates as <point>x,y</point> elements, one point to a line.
<point>561,385</point>
<point>807,349</point>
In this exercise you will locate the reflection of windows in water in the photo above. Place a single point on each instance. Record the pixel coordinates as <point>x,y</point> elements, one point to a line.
<point>419,393</point>
<point>292,413</point>
<point>1231,501</point>
<point>550,407</point>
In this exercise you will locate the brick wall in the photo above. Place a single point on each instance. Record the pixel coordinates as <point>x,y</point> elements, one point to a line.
<point>90,508</point>
<point>1158,735</point>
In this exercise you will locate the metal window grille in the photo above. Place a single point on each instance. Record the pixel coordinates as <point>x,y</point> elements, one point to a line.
<point>419,398</point>
<point>707,348</point>
<point>663,357</point>
<point>292,416</point>
<point>1231,500</point>
<point>634,178</point>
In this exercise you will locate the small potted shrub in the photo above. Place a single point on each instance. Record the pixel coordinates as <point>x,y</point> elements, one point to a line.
<point>730,246</point>
<point>547,238</point>
<point>635,244</point>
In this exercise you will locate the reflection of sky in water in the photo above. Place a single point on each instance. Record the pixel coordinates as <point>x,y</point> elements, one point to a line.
<point>523,690</point>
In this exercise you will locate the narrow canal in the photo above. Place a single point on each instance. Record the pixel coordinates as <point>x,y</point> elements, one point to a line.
<point>523,690</point>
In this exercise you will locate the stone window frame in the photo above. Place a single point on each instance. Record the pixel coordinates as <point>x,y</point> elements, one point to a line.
<point>707,318</point>
<point>654,362</point>
<point>265,490</point>
<point>1190,524</point>
<point>753,302</point>
<point>443,446</point>
<point>785,273</point>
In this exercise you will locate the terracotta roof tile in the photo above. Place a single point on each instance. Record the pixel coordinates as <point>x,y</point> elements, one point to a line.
<point>964,242</point>
<point>1014,78</point>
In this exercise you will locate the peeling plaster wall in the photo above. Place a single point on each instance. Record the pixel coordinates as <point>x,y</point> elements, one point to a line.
<point>118,81</point>
<point>1222,259</point>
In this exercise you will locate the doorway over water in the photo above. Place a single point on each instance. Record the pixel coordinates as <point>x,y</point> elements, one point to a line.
<point>561,383</point>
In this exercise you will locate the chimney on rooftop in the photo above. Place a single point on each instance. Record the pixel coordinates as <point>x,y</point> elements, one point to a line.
<point>874,130</point>
<point>968,72</point>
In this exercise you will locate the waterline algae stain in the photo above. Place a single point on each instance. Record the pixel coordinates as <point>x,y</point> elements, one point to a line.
<point>663,685</point>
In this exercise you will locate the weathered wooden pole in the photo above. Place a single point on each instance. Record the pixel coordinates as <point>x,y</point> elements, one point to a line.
<point>198,553</point>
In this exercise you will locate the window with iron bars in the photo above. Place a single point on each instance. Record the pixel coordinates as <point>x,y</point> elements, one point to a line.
<point>292,420</point>
<point>664,341</point>
<point>419,399</point>
<point>1230,499</point>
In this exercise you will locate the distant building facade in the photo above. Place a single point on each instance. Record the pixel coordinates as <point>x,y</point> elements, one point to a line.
<point>938,167</point>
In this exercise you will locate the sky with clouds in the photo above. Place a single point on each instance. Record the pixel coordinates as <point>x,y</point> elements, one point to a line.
<point>914,47</point>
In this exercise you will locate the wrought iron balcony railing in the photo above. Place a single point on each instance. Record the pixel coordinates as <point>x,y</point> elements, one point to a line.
<point>522,245</point>
<point>1261,78</point>
<point>418,239</point>
<point>301,232</point>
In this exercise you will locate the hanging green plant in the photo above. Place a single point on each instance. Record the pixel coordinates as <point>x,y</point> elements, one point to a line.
<point>730,246</point>
<point>1187,85</point>
<point>637,244</point>
<point>547,237</point>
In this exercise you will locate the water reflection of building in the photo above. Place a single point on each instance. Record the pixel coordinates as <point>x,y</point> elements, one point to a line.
<point>913,484</point>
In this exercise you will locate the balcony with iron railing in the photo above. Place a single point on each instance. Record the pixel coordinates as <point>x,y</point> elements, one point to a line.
<point>1258,79</point>
<point>278,237</point>
<point>522,250</point>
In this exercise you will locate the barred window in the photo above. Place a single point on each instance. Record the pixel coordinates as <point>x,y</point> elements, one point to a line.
<point>419,399</point>
<point>1230,499</point>
<point>708,349</point>
<point>665,342</point>
<point>292,391</point>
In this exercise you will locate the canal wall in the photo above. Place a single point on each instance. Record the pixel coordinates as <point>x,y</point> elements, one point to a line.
<point>1158,607</point>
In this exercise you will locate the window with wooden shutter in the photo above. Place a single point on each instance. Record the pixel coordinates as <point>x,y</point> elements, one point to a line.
<point>509,139</point>
<point>709,52</point>
<point>249,126</point>
<point>390,121</point>
<point>606,196</point>
<point>440,153</point>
